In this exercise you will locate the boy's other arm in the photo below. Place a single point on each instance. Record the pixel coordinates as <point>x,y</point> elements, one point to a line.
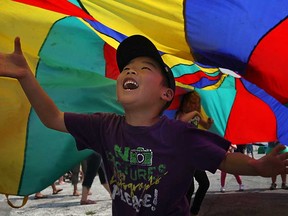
<point>269,165</point>
<point>14,65</point>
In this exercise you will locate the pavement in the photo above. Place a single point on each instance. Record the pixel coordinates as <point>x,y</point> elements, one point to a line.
<point>255,200</point>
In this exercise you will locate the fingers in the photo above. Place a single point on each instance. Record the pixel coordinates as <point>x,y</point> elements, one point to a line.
<point>17,46</point>
<point>275,151</point>
<point>285,170</point>
<point>284,157</point>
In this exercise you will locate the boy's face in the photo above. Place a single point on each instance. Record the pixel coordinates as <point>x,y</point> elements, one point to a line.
<point>140,84</point>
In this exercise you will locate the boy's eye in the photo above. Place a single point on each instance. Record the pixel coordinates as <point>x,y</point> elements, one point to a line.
<point>126,68</point>
<point>146,68</point>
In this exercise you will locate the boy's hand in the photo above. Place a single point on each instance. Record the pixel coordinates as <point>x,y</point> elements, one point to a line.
<point>14,65</point>
<point>273,163</point>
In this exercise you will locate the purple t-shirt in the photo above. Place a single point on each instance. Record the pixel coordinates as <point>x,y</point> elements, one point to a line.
<point>149,169</point>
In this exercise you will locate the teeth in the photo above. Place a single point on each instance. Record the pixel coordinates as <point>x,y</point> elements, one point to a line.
<point>129,84</point>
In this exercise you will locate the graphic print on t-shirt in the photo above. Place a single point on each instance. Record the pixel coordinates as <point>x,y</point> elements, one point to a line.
<point>135,179</point>
<point>141,156</point>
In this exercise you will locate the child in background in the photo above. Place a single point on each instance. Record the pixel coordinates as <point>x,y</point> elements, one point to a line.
<point>273,186</point>
<point>237,177</point>
<point>190,111</point>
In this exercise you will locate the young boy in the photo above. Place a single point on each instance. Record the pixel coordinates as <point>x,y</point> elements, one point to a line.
<point>149,159</point>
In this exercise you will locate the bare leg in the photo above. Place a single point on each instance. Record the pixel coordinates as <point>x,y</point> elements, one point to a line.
<point>222,181</point>
<point>61,180</point>
<point>39,195</point>
<point>284,185</point>
<point>75,190</point>
<point>84,198</point>
<point>55,189</point>
<point>273,184</point>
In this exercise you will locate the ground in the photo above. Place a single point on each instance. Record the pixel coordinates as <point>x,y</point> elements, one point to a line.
<point>256,200</point>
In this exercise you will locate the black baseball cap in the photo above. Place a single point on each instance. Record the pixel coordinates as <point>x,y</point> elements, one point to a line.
<point>137,46</point>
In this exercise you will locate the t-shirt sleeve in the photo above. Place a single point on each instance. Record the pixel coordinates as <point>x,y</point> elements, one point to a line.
<point>85,128</point>
<point>207,150</point>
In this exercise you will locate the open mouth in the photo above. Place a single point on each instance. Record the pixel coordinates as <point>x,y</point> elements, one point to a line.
<point>130,84</point>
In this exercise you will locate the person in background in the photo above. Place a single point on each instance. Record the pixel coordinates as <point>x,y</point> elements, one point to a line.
<point>273,186</point>
<point>103,178</point>
<point>78,173</point>
<point>190,111</point>
<point>55,190</point>
<point>223,174</point>
<point>94,162</point>
<point>61,180</point>
<point>249,149</point>
<point>240,148</point>
<point>88,169</point>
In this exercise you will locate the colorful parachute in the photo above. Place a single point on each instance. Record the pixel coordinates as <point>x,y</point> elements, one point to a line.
<point>68,61</point>
<point>70,45</point>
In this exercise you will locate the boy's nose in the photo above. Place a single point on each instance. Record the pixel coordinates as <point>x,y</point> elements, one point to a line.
<point>131,72</point>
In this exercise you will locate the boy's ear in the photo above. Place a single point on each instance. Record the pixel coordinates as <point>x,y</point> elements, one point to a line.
<point>168,94</point>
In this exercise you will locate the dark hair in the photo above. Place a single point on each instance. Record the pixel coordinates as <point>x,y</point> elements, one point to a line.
<point>184,99</point>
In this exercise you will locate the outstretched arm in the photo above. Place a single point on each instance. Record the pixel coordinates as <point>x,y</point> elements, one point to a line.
<point>269,165</point>
<point>14,65</point>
